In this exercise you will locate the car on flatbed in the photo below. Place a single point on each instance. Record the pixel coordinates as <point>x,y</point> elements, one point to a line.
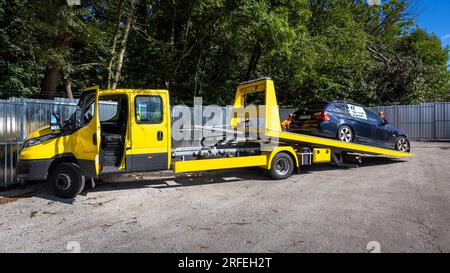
<point>348,122</point>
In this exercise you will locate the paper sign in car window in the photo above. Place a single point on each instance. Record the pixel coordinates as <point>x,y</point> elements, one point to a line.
<point>357,112</point>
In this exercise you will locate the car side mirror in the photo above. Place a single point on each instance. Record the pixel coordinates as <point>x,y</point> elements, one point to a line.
<point>55,122</point>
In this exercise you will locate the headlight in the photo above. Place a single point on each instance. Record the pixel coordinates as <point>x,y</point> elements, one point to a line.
<point>37,141</point>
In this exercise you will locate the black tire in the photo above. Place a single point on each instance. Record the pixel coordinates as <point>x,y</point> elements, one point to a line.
<point>282,167</point>
<point>345,134</point>
<point>66,180</point>
<point>402,144</point>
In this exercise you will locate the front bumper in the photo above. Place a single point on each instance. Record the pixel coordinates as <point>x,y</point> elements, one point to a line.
<point>33,169</point>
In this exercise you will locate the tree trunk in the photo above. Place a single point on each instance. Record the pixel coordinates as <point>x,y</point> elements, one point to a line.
<point>173,24</point>
<point>123,44</point>
<point>169,75</point>
<point>256,56</point>
<point>67,84</point>
<point>50,81</point>
<point>114,45</point>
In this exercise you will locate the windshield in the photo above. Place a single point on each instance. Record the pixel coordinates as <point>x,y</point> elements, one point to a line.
<point>83,113</point>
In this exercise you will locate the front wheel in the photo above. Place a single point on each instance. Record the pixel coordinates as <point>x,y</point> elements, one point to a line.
<point>282,167</point>
<point>66,180</point>
<point>403,145</point>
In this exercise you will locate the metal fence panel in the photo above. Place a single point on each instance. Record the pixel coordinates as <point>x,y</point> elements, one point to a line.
<point>427,121</point>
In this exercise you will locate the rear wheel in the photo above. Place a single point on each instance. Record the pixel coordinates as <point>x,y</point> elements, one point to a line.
<point>402,145</point>
<point>66,180</point>
<point>282,167</point>
<point>345,134</point>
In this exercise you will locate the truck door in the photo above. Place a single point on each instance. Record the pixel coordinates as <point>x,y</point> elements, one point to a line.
<point>150,132</point>
<point>87,138</point>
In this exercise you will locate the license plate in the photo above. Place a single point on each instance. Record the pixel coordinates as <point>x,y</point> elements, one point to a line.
<point>303,117</point>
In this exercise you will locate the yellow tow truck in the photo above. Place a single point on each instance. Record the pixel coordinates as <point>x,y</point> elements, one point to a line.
<point>137,137</point>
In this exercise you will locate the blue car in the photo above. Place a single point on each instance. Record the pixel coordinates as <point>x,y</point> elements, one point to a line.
<point>348,122</point>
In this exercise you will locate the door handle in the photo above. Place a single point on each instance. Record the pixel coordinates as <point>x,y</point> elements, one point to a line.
<point>94,139</point>
<point>160,136</point>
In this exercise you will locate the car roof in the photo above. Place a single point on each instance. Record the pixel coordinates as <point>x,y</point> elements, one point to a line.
<point>333,101</point>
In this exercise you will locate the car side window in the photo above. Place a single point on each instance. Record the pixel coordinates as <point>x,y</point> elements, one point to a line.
<point>148,109</point>
<point>372,116</point>
<point>338,108</point>
<point>357,112</point>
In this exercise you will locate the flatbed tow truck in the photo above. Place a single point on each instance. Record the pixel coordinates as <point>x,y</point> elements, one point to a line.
<point>138,138</point>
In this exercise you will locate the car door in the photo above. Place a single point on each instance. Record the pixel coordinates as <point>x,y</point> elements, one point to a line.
<point>361,124</point>
<point>378,133</point>
<point>150,132</point>
<point>87,138</point>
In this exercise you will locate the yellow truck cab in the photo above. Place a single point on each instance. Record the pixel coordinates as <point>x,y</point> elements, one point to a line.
<point>66,153</point>
<point>136,137</point>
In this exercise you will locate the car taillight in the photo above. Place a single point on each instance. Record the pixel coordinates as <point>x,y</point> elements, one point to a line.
<point>322,116</point>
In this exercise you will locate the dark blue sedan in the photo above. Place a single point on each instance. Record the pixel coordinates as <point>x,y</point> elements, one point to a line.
<point>349,123</point>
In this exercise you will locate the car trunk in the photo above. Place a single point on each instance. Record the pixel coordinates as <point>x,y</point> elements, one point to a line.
<point>307,117</point>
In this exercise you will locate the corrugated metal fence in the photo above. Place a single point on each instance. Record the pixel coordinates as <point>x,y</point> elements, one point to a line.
<point>428,121</point>
<point>19,117</point>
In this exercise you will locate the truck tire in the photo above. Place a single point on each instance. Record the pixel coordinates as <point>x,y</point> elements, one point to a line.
<point>282,167</point>
<point>66,181</point>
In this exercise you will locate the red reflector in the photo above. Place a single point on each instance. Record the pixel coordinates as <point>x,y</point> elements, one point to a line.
<point>322,116</point>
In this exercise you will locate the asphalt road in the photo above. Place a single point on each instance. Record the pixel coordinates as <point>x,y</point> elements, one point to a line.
<point>400,206</point>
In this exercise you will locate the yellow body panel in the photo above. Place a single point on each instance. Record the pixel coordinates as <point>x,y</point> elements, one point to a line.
<point>321,155</point>
<point>219,164</point>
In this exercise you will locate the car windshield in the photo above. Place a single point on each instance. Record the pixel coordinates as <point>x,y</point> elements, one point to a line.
<point>83,114</point>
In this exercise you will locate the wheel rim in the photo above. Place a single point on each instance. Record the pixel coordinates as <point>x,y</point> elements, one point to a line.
<point>403,145</point>
<point>282,167</point>
<point>63,182</point>
<point>345,134</point>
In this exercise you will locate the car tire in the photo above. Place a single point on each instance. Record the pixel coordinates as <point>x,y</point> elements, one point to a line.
<point>66,180</point>
<point>282,167</point>
<point>402,145</point>
<point>345,134</point>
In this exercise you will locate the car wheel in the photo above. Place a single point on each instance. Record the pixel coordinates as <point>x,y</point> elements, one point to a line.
<point>345,134</point>
<point>66,180</point>
<point>402,145</point>
<point>282,167</point>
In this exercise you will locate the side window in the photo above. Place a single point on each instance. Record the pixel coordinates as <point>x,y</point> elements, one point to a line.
<point>338,108</point>
<point>357,111</point>
<point>372,116</point>
<point>148,109</point>
<point>88,109</point>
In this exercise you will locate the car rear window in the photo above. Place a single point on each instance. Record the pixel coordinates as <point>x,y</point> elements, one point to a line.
<point>313,108</point>
<point>309,110</point>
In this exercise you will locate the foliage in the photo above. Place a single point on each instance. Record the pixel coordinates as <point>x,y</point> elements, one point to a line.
<point>313,49</point>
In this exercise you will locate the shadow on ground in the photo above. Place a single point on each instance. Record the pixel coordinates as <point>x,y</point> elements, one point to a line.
<point>137,181</point>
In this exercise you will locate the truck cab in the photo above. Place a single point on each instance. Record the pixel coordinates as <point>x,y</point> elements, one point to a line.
<point>110,131</point>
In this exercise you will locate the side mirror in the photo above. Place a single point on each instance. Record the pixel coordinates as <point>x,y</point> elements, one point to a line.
<point>55,122</point>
